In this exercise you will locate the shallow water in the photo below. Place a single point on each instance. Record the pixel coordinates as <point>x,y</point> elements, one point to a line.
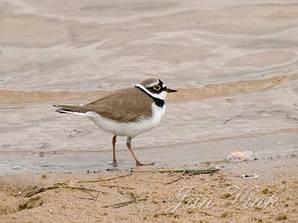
<point>89,47</point>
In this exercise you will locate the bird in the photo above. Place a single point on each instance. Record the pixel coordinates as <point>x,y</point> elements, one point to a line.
<point>126,112</point>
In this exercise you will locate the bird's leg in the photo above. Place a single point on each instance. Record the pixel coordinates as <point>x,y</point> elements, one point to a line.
<point>128,144</point>
<point>138,163</point>
<point>114,150</point>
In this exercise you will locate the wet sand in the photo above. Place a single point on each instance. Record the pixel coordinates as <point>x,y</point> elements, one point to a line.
<point>235,65</point>
<point>219,119</point>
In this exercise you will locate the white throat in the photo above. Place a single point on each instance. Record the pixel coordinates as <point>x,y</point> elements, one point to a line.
<point>161,96</point>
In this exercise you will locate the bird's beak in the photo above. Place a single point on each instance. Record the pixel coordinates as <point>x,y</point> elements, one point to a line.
<point>169,90</point>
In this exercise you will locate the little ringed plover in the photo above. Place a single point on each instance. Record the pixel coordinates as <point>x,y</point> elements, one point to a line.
<point>128,112</point>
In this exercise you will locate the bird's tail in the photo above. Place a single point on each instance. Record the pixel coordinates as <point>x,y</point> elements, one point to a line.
<point>70,109</point>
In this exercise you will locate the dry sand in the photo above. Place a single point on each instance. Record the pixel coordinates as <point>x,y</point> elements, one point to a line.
<point>235,64</point>
<point>151,197</point>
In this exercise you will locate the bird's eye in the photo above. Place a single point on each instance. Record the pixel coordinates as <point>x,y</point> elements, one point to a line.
<point>156,87</point>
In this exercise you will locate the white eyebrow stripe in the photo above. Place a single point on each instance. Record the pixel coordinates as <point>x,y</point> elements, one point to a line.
<point>148,92</point>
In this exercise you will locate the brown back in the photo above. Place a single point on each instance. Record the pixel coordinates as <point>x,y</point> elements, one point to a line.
<point>127,105</point>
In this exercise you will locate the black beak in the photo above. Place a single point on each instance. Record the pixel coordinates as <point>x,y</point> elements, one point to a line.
<point>169,90</point>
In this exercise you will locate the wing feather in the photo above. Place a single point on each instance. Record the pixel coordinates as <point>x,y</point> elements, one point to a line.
<point>126,105</point>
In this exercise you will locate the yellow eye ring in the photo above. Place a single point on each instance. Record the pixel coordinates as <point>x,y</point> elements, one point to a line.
<point>156,87</point>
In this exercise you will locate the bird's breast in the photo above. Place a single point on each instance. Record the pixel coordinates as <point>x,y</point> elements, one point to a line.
<point>157,113</point>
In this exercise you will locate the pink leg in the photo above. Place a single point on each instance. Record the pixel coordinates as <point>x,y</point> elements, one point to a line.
<point>138,163</point>
<point>114,150</point>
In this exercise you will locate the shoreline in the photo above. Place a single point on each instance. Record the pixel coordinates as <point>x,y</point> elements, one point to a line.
<point>183,95</point>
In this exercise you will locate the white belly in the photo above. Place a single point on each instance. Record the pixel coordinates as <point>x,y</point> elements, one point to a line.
<point>130,129</point>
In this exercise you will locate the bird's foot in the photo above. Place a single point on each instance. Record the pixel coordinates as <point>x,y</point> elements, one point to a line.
<point>113,163</point>
<point>144,164</point>
<point>114,166</point>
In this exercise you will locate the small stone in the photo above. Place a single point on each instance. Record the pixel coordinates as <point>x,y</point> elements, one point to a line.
<point>259,220</point>
<point>281,217</point>
<point>31,203</point>
<point>265,191</point>
<point>190,211</point>
<point>238,156</point>
<point>226,195</point>
<point>16,167</point>
<point>225,214</point>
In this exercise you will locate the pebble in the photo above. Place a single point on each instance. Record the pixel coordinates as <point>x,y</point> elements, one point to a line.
<point>238,156</point>
<point>16,167</point>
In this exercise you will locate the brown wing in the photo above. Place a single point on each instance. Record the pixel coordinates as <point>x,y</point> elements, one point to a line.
<point>126,105</point>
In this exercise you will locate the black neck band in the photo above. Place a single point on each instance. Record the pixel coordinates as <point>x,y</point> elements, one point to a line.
<point>159,102</point>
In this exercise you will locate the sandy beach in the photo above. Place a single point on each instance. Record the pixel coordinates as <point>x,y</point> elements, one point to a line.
<point>235,66</point>
<point>147,195</point>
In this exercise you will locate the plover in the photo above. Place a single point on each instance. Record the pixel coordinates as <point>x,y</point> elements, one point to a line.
<point>128,112</point>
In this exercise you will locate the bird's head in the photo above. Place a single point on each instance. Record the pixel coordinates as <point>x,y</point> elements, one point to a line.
<point>155,87</point>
